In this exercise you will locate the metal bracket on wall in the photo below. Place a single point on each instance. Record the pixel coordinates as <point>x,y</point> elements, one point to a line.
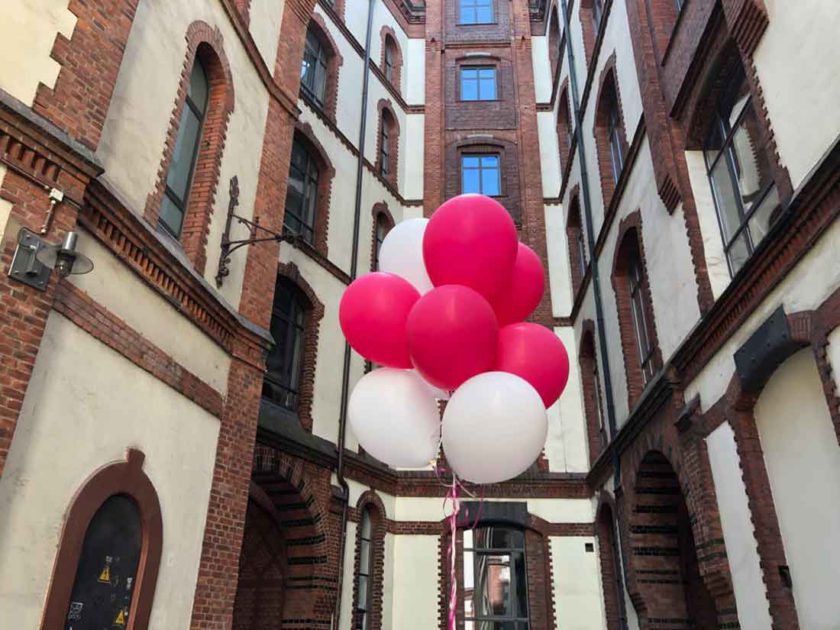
<point>25,266</point>
<point>254,228</point>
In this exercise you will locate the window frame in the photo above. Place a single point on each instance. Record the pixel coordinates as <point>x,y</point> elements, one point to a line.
<point>614,137</point>
<point>637,292</point>
<point>363,609</point>
<point>182,205</point>
<point>385,133</point>
<point>294,346</point>
<point>388,59</point>
<point>727,131</point>
<point>474,6</point>
<point>477,68</point>
<point>522,622</point>
<point>481,156</point>
<point>321,59</point>
<point>310,195</point>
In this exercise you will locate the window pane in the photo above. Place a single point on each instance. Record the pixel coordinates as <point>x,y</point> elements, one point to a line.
<point>362,592</point>
<point>470,161</point>
<point>171,215</point>
<point>521,595</point>
<point>492,588</point>
<point>750,161</point>
<point>738,253</point>
<point>364,557</point>
<point>499,538</point>
<point>469,86</point>
<point>763,218</point>
<point>470,180</point>
<point>725,198</point>
<point>490,184</point>
<point>107,569</point>
<point>186,146</point>
<point>199,87</point>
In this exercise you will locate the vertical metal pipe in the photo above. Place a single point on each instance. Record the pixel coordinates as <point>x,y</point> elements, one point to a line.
<point>596,280</point>
<point>345,375</point>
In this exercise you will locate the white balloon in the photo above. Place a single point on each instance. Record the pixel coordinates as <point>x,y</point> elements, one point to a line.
<point>494,427</point>
<point>395,417</point>
<point>402,253</point>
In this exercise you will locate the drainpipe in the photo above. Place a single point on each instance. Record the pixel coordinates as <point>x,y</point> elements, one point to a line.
<point>596,280</point>
<point>345,375</point>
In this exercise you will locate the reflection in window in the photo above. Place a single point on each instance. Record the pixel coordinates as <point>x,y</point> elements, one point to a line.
<point>364,581</point>
<point>281,383</point>
<point>739,172</point>
<point>389,59</point>
<point>597,14</point>
<point>478,84</point>
<point>641,324</point>
<point>494,582</point>
<point>179,177</point>
<point>301,193</point>
<point>107,569</point>
<point>614,136</point>
<point>476,11</point>
<point>480,174</point>
<point>313,71</point>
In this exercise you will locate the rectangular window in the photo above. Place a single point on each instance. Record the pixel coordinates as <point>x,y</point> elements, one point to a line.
<point>481,174</point>
<point>384,149</point>
<point>281,383</point>
<point>478,83</point>
<point>739,173</point>
<point>313,71</point>
<point>301,194</point>
<point>475,11</point>
<point>613,131</point>
<point>494,579</point>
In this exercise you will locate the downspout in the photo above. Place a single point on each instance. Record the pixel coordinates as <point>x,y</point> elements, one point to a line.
<point>596,280</point>
<point>345,375</point>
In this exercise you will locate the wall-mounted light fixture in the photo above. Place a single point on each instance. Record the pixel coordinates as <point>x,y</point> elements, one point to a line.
<point>34,259</point>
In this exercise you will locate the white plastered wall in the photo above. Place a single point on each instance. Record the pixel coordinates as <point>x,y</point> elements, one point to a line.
<point>123,293</point>
<point>28,29</point>
<point>799,71</point>
<point>5,207</point>
<point>795,427</point>
<point>265,18</point>
<point>577,584</point>
<point>738,530</point>
<point>557,247</point>
<point>805,288</point>
<point>84,407</point>
<point>135,130</point>
<point>566,445</point>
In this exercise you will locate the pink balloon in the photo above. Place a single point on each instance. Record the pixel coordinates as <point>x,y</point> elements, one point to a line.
<point>470,240</point>
<point>452,333</point>
<point>524,291</point>
<point>536,354</point>
<point>373,314</point>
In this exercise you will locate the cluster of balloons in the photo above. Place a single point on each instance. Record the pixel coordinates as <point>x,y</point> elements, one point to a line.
<point>444,319</point>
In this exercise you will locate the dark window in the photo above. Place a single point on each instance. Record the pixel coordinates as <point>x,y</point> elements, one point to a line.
<point>739,171</point>
<point>481,174</point>
<point>581,251</point>
<point>476,11</point>
<point>495,586</point>
<point>364,579</point>
<point>599,411</point>
<point>679,4</point>
<point>301,193</point>
<point>478,83</point>
<point>313,72</point>
<point>281,384</point>
<point>597,14</point>
<point>389,59</point>
<point>107,569</point>
<point>179,178</point>
<point>614,136</point>
<point>641,324</point>
<point>386,132</point>
<point>381,231</point>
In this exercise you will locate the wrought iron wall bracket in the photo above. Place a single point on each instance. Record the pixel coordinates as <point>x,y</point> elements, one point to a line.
<point>254,231</point>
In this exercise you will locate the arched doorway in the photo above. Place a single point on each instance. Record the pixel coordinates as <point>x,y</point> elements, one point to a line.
<point>262,570</point>
<point>667,574</point>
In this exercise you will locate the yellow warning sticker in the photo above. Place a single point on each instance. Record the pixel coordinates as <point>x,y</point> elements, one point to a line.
<point>105,575</point>
<point>120,620</point>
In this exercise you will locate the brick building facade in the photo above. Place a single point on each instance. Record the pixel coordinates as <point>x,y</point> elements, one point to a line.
<point>673,163</point>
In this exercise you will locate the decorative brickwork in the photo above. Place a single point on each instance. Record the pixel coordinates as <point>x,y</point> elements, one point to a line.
<point>204,45</point>
<point>388,40</point>
<point>387,122</point>
<point>371,503</point>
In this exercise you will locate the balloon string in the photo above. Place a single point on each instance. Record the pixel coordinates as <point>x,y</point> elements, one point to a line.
<point>453,529</point>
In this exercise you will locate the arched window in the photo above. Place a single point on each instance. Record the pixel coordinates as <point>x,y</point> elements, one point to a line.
<point>554,52</point>
<point>577,245</point>
<point>108,558</point>
<point>591,20</point>
<point>387,158</point>
<point>382,225</point>
<point>593,400</point>
<point>389,59</point>
<point>314,69</point>
<point>281,384</point>
<point>739,172</point>
<point>610,137</point>
<point>494,578</point>
<point>564,127</point>
<point>635,314</point>
<point>180,174</point>
<point>302,192</point>
<point>364,572</point>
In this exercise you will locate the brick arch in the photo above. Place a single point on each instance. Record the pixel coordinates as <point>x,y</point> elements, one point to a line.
<point>334,63</point>
<point>311,331</point>
<point>371,501</point>
<point>204,43</point>
<point>119,478</point>
<point>286,482</point>
<point>386,115</point>
<point>608,91</point>
<point>320,234</point>
<point>629,243</point>
<point>588,361</point>
<point>385,35</point>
